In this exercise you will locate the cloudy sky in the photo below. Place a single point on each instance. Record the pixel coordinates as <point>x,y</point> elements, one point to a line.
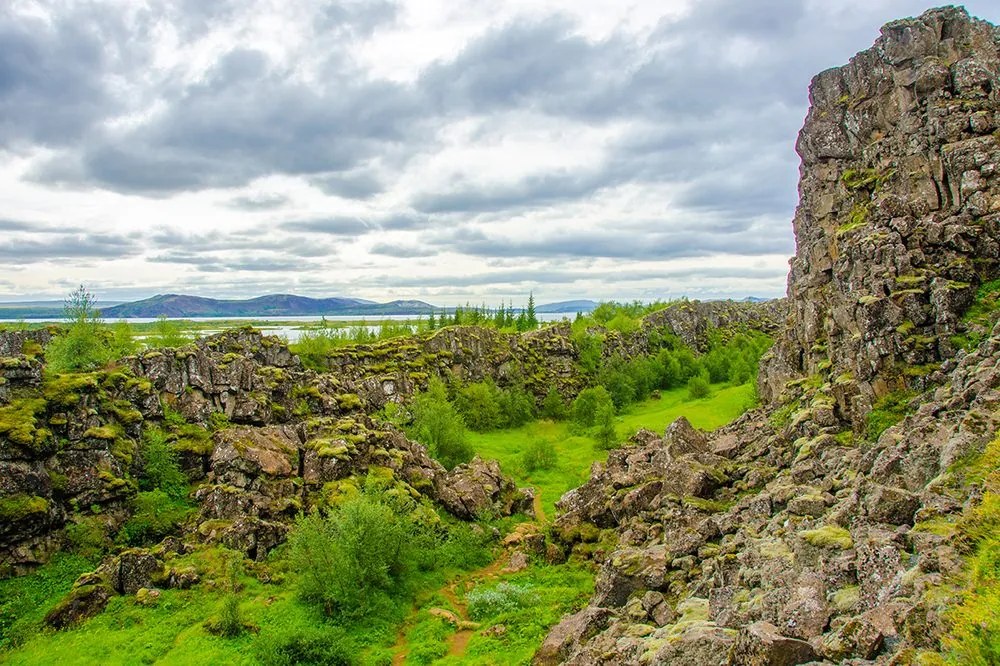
<point>443,150</point>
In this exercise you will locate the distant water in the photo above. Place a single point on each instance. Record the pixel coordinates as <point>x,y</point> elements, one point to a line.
<point>290,333</point>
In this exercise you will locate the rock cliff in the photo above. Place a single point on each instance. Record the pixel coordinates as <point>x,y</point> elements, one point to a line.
<point>807,531</point>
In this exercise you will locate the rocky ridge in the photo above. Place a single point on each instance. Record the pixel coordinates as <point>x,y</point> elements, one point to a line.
<point>800,533</point>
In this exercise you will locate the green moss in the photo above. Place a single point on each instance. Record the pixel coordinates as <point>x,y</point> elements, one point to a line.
<point>828,536</point>
<point>19,423</point>
<point>867,179</point>
<point>846,598</point>
<point>107,433</point>
<point>887,412</point>
<point>856,218</point>
<point>20,506</point>
<point>65,390</point>
<point>349,401</point>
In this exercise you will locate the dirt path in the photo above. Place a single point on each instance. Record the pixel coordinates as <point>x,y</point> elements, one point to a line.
<point>539,509</point>
<point>459,640</point>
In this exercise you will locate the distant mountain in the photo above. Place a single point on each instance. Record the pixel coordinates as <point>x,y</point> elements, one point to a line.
<point>273,305</point>
<point>567,306</point>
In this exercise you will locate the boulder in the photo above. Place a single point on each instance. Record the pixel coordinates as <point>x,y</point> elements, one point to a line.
<point>761,644</point>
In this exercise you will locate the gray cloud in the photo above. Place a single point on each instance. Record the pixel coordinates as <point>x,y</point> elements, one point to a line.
<point>52,85</point>
<point>256,202</point>
<point>19,250</point>
<point>615,244</point>
<point>543,276</point>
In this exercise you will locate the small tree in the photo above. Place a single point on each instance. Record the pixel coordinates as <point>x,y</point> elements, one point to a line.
<point>606,435</point>
<point>81,347</point>
<point>589,403</point>
<point>439,426</point>
<point>553,406</point>
<point>530,316</point>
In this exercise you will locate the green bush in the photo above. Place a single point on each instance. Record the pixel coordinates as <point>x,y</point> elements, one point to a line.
<point>161,468</point>
<point>439,426</point>
<point>488,602</point>
<point>326,644</point>
<point>155,515</point>
<point>698,387</point>
<point>517,407</point>
<point>606,435</point>
<point>479,405</point>
<point>540,454</point>
<point>587,404</point>
<point>553,406</point>
<point>351,560</point>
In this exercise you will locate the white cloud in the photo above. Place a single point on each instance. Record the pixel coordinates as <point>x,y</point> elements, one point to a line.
<point>452,152</point>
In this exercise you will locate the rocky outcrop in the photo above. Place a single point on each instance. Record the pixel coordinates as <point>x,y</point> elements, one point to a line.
<point>797,534</point>
<point>899,213</point>
<point>20,362</point>
<point>393,370</point>
<point>693,321</point>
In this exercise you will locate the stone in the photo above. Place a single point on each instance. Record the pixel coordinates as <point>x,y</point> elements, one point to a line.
<point>761,644</point>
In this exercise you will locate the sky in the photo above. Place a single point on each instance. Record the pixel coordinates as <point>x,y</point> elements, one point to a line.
<point>451,151</point>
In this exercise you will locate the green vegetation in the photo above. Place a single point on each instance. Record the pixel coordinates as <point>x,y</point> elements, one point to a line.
<point>167,333</point>
<point>575,451</point>
<point>981,316</point>
<point>828,536</point>
<point>24,601</point>
<point>887,412</point>
<point>87,343</point>
<point>970,603</point>
<point>437,424</point>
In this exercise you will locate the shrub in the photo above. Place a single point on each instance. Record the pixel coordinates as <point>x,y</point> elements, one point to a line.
<point>540,454</point>
<point>620,385</point>
<point>155,516</point>
<point>438,425</point>
<point>289,646</point>
<point>698,387</point>
<point>553,406</point>
<point>489,602</point>
<point>606,435</point>
<point>587,404</point>
<point>350,560</point>
<point>161,468</point>
<point>230,620</point>
<point>479,405</point>
<point>517,407</point>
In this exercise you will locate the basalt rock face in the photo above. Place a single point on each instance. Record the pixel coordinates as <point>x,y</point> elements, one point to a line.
<point>794,535</point>
<point>20,365</point>
<point>899,213</point>
<point>285,440</point>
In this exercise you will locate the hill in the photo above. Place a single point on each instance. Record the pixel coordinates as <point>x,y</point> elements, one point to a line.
<point>272,305</point>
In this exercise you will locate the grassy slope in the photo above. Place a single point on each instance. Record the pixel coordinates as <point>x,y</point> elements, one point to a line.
<point>577,452</point>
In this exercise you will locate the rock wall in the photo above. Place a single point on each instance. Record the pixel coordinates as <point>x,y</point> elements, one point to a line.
<point>899,213</point>
<point>789,537</point>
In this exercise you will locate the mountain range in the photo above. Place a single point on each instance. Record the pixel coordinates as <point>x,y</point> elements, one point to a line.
<point>272,305</point>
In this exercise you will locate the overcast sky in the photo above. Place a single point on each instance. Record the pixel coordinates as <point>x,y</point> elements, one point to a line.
<point>432,149</point>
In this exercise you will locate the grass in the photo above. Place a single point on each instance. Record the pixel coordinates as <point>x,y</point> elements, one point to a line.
<point>575,452</point>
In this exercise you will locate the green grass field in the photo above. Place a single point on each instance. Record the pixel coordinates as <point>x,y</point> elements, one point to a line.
<point>576,452</point>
